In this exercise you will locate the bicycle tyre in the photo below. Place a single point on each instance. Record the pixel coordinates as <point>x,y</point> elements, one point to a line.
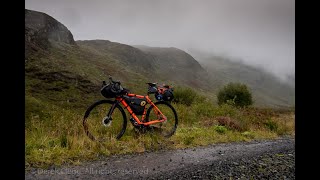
<point>94,106</point>
<point>175,123</point>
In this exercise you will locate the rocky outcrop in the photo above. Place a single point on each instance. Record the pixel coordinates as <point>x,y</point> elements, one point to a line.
<point>41,28</point>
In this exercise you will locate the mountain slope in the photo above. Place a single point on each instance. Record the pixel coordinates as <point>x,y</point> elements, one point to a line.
<point>126,54</point>
<point>173,63</point>
<point>65,72</point>
<point>69,73</point>
<point>267,89</point>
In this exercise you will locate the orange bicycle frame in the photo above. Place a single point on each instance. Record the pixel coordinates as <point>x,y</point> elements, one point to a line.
<point>140,122</point>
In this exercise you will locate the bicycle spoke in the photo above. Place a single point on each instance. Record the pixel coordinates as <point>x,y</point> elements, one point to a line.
<point>167,127</point>
<point>100,127</point>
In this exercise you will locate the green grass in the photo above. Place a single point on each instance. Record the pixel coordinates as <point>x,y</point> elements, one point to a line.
<point>220,129</point>
<point>54,134</point>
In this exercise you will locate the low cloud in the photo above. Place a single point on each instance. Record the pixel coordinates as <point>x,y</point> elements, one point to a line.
<point>261,33</point>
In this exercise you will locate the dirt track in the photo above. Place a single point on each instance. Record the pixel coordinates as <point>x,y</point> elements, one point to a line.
<point>264,159</point>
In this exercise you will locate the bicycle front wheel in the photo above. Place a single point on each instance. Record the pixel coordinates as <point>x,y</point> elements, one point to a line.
<point>168,127</point>
<point>99,126</point>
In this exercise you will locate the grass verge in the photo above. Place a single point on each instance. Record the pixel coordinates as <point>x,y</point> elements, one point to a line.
<point>55,136</point>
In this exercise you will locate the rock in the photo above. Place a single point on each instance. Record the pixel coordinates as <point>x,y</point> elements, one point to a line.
<point>41,28</point>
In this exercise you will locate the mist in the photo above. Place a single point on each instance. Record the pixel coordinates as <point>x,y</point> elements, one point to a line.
<point>258,32</point>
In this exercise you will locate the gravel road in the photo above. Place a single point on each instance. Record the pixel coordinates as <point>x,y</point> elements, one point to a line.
<point>263,159</point>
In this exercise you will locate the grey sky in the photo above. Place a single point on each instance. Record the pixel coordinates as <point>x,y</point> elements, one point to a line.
<point>260,32</point>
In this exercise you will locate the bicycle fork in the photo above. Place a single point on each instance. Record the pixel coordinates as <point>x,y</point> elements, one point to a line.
<point>107,120</point>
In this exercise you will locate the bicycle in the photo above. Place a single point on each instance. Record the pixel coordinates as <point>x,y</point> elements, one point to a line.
<point>107,118</point>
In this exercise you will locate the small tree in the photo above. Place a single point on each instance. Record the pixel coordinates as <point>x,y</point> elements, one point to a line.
<point>235,93</point>
<point>184,95</point>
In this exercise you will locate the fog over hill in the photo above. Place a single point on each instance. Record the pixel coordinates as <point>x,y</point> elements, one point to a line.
<point>59,69</point>
<point>260,33</point>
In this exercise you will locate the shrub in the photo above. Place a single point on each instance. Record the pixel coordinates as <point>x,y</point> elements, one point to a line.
<point>236,94</point>
<point>220,129</point>
<point>184,96</point>
<point>273,126</point>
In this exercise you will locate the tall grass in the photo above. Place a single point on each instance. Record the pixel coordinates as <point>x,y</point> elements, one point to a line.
<point>55,136</point>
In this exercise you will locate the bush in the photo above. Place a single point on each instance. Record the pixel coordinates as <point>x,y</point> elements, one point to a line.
<point>273,126</point>
<point>184,96</point>
<point>220,129</point>
<point>236,94</point>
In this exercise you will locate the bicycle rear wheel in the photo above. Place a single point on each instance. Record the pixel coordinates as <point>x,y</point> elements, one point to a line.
<point>168,127</point>
<point>99,127</point>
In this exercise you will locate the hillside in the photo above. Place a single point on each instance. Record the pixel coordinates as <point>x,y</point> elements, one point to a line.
<point>177,65</point>
<point>267,89</point>
<point>62,71</point>
<point>126,54</point>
